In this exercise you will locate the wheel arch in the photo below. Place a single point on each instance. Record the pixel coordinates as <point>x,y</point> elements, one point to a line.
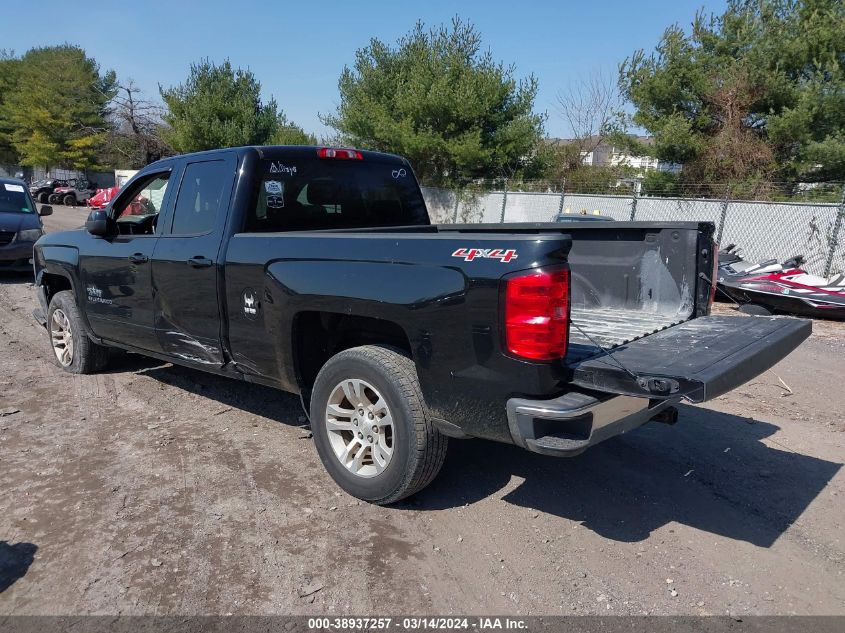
<point>58,269</point>
<point>317,335</point>
<point>53,283</point>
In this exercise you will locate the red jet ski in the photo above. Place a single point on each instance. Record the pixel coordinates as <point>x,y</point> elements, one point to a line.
<point>790,291</point>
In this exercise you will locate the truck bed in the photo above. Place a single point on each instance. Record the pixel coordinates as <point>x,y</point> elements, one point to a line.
<point>629,279</point>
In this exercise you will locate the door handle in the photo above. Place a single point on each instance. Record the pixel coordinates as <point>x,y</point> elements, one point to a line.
<point>200,262</point>
<point>139,258</point>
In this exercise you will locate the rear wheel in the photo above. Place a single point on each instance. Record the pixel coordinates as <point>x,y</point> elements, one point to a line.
<point>756,309</point>
<point>53,198</point>
<point>73,350</point>
<point>69,200</point>
<point>371,427</point>
<point>43,197</point>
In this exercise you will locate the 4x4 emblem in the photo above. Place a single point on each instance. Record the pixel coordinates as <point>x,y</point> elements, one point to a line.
<point>469,254</point>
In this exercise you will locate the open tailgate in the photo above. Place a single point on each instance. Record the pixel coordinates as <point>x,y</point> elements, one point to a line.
<point>698,359</point>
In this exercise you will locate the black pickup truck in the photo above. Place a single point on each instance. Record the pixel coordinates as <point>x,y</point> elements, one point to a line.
<point>317,271</point>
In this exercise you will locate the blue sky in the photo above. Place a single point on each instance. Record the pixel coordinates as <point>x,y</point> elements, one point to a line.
<point>298,49</point>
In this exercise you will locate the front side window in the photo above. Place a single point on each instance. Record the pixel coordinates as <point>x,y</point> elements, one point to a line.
<point>137,212</point>
<point>200,197</point>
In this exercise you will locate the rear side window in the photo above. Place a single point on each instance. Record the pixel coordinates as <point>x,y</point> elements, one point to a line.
<point>200,197</point>
<point>335,194</point>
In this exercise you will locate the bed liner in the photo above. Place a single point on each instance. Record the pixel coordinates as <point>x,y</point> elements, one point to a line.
<point>611,327</point>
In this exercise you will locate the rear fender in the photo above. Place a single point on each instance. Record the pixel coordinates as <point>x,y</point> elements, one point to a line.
<point>404,295</point>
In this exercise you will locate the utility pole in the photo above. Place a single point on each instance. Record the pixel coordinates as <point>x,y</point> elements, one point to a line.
<point>637,188</point>
<point>724,215</point>
<point>562,197</point>
<point>834,237</point>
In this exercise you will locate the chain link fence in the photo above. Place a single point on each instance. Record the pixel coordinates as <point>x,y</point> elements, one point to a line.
<point>763,229</point>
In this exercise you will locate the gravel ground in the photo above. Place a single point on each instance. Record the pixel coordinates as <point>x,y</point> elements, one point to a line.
<point>153,489</point>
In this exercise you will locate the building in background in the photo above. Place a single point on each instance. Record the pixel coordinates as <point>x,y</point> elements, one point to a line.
<point>122,176</point>
<point>604,154</point>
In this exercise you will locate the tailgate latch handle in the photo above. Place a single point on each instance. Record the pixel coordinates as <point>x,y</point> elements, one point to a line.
<point>656,385</point>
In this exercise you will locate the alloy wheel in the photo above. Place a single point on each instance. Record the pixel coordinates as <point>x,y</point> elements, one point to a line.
<point>360,427</point>
<point>61,337</point>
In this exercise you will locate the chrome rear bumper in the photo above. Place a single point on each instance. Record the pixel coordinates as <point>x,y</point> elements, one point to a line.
<point>568,425</point>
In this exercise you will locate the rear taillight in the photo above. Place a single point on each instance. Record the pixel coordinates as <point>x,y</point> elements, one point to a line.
<point>339,154</point>
<point>537,314</point>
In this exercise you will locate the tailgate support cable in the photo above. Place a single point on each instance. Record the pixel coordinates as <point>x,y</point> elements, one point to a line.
<point>710,281</point>
<point>655,385</point>
<point>607,353</point>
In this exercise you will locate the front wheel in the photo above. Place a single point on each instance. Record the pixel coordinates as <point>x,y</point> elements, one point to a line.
<point>73,350</point>
<point>69,200</point>
<point>371,427</point>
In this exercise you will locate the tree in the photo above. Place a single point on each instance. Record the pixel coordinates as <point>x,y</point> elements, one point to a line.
<point>218,106</point>
<point>56,111</point>
<point>592,108</point>
<point>662,183</point>
<point>136,136</point>
<point>754,94</point>
<point>441,102</point>
<point>288,133</point>
<point>9,66</point>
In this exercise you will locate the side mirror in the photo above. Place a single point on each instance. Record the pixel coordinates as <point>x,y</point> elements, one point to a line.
<point>100,224</point>
<point>45,209</point>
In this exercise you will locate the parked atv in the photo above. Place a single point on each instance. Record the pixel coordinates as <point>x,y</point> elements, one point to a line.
<point>76,194</point>
<point>41,190</point>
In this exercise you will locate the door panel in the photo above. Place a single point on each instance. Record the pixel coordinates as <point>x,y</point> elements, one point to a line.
<point>186,266</point>
<point>116,272</point>
<point>118,290</point>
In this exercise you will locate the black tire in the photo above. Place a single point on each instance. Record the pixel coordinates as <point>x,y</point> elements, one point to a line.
<point>53,198</point>
<point>43,197</point>
<point>87,357</point>
<point>756,309</point>
<point>69,200</point>
<point>419,449</point>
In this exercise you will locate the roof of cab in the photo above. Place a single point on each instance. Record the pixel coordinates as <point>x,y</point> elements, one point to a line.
<point>12,181</point>
<point>288,151</point>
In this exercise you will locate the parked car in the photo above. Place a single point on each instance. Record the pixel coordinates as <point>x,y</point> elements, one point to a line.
<point>20,225</point>
<point>42,189</point>
<point>582,217</point>
<point>317,271</point>
<point>74,194</point>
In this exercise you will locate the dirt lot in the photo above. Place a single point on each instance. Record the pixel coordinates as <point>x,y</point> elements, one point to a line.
<point>153,489</point>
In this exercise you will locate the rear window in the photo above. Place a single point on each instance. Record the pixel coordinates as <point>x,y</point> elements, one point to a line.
<point>316,193</point>
<point>14,198</point>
